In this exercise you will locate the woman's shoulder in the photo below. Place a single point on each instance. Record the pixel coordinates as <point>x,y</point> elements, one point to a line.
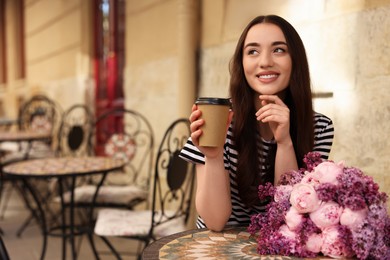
<point>322,119</point>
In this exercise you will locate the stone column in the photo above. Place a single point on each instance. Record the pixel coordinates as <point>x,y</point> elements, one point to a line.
<point>188,38</point>
<point>188,30</point>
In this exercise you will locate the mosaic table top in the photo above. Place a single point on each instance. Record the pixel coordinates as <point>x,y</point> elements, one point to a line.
<point>231,243</point>
<point>66,166</point>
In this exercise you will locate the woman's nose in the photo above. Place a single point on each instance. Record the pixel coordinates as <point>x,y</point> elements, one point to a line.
<point>266,60</point>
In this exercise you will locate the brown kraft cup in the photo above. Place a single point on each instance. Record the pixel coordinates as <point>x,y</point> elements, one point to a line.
<point>215,112</point>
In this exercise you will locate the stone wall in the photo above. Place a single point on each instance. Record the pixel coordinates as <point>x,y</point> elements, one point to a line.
<point>348,49</point>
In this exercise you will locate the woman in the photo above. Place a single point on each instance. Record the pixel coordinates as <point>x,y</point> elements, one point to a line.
<point>270,132</point>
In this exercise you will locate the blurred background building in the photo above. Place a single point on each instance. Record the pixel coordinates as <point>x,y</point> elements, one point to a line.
<point>157,56</point>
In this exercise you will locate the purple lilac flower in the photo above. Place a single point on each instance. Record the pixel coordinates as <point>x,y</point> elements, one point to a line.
<point>274,243</point>
<point>311,160</point>
<point>306,228</point>
<point>387,233</point>
<point>353,201</point>
<point>276,213</point>
<point>377,216</point>
<point>265,191</point>
<point>327,192</point>
<point>363,239</point>
<point>345,236</point>
<point>257,222</point>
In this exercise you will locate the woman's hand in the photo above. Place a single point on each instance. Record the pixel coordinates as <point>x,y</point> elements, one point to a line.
<point>196,124</point>
<point>274,112</point>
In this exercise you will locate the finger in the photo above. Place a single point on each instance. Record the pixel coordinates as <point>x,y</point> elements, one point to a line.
<point>275,113</point>
<point>272,99</point>
<point>195,125</point>
<point>272,109</point>
<point>195,137</point>
<point>195,115</point>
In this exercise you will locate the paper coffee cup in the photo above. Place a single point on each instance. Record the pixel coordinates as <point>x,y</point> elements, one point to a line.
<point>215,112</point>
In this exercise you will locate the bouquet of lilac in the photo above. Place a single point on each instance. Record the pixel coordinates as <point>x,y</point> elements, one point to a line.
<point>326,209</point>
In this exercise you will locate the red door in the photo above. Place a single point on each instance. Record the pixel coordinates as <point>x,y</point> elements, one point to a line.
<point>109,56</point>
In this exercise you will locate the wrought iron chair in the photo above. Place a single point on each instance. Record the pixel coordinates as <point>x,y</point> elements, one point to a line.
<point>74,134</point>
<point>39,113</point>
<point>125,134</point>
<point>173,185</point>
<point>73,137</point>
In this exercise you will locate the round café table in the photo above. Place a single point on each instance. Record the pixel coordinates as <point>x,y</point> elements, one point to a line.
<point>17,136</point>
<point>231,243</point>
<point>64,169</point>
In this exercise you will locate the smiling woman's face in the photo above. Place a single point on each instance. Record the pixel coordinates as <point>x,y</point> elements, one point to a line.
<point>266,59</point>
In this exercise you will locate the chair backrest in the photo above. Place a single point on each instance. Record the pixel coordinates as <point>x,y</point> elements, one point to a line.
<point>128,135</point>
<point>40,113</point>
<point>75,130</point>
<point>174,177</point>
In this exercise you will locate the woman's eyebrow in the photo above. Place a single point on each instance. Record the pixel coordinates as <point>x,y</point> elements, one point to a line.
<point>252,44</point>
<point>255,44</point>
<point>279,43</point>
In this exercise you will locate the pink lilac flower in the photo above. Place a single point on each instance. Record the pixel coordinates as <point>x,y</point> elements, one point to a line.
<point>291,178</point>
<point>327,172</point>
<point>282,192</point>
<point>293,218</point>
<point>353,218</point>
<point>314,243</point>
<point>304,198</point>
<point>333,244</point>
<point>327,215</point>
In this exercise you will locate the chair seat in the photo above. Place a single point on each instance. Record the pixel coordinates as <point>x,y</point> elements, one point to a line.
<point>107,194</point>
<point>18,156</point>
<point>121,222</point>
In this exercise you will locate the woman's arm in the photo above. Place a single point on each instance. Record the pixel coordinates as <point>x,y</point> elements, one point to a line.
<point>213,201</point>
<point>285,159</point>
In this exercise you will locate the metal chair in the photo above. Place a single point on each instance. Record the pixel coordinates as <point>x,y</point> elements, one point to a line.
<point>173,184</point>
<point>74,134</point>
<point>125,134</point>
<point>73,138</point>
<point>39,113</point>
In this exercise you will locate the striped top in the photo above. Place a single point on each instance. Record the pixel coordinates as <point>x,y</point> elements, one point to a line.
<point>323,139</point>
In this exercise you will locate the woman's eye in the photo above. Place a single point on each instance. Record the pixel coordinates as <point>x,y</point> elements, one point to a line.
<point>252,52</point>
<point>279,50</point>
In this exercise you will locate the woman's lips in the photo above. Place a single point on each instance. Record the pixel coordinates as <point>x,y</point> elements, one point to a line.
<point>267,77</point>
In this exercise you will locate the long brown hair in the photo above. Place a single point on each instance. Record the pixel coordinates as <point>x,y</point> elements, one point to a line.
<point>298,98</point>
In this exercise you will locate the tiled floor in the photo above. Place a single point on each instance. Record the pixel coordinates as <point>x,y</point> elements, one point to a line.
<point>28,246</point>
